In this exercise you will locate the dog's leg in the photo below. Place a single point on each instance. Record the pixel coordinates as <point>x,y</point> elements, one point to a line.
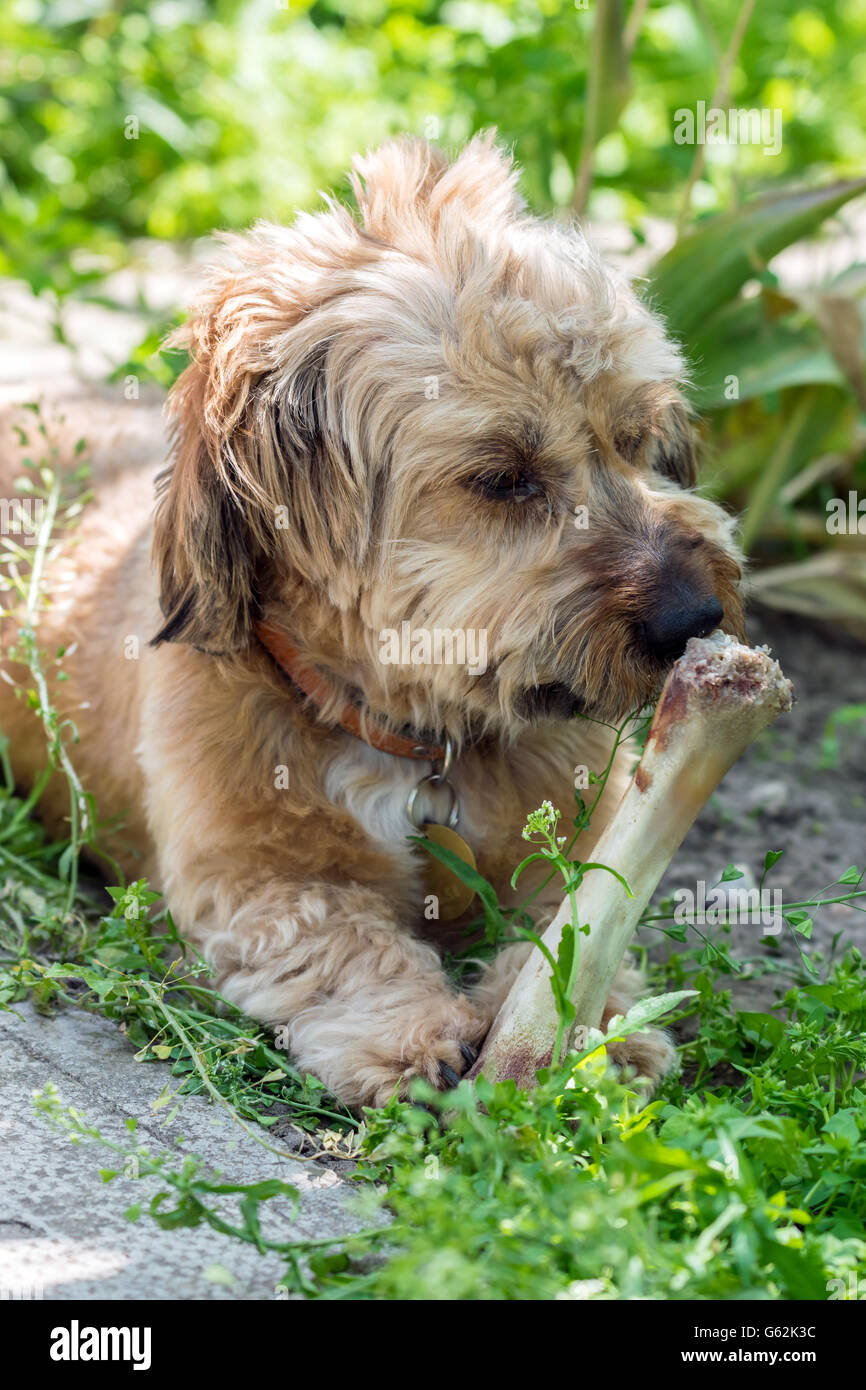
<point>364,1005</point>
<point>649,1054</point>
<point>301,913</point>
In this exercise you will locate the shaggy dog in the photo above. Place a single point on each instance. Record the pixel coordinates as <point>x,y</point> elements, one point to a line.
<point>453,417</point>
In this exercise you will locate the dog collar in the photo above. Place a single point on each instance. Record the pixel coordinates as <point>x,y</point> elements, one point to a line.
<point>453,896</point>
<point>318,688</point>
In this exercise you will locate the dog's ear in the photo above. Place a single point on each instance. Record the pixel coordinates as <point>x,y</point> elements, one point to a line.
<point>407,186</point>
<point>256,475</point>
<point>204,547</point>
<point>674,451</point>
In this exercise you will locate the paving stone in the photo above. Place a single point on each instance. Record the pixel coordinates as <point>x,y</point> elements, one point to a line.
<point>63,1234</point>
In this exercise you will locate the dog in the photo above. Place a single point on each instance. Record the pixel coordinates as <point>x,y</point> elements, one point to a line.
<point>444,415</point>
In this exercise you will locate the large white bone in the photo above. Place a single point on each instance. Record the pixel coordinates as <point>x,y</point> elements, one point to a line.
<point>716,700</point>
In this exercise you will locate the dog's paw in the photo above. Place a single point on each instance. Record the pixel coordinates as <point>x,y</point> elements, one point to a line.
<point>651,1054</point>
<point>448,1078</point>
<point>439,1049</point>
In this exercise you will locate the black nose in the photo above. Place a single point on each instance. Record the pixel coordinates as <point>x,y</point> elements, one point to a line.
<point>668,630</point>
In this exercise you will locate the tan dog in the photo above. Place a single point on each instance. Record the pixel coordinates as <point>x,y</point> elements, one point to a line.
<point>452,416</point>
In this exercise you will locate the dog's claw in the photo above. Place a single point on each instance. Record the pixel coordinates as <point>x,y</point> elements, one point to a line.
<point>469,1053</point>
<point>448,1075</point>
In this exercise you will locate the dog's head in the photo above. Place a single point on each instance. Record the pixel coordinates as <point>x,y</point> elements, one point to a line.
<point>451,416</point>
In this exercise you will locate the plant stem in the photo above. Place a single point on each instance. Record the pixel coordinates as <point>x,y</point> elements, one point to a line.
<point>720,96</point>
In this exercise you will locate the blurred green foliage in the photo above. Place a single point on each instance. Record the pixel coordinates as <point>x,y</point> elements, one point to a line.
<point>245,108</point>
<point>167,118</point>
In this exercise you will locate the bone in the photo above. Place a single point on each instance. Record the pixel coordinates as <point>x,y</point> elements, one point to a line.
<point>716,700</point>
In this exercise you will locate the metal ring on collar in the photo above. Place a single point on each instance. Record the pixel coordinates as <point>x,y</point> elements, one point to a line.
<point>438,779</point>
<point>447,759</point>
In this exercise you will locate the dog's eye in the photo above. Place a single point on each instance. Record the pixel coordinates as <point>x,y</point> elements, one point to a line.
<point>510,486</point>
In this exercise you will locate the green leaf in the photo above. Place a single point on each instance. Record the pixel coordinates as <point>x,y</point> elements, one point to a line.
<point>250,1212</point>
<point>676,933</point>
<point>765,354</point>
<point>647,1011</point>
<point>66,861</point>
<point>562,975</point>
<point>708,266</point>
<point>530,859</point>
<point>800,921</point>
<point>813,415</point>
<point>329,1264</point>
<point>762,1027</point>
<point>585,868</point>
<point>187,1213</point>
<point>730,873</point>
<point>843,1127</point>
<point>260,1191</point>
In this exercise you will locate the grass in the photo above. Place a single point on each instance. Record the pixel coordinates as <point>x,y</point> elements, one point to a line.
<point>744,1176</point>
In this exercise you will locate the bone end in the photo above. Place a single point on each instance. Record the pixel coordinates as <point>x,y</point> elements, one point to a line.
<point>718,676</point>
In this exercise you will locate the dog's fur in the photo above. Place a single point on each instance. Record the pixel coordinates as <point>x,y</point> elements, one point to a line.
<point>313,481</point>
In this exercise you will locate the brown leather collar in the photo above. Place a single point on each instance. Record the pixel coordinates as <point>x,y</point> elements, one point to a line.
<point>318,688</point>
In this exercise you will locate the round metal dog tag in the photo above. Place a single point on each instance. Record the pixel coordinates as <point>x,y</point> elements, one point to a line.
<point>454,896</point>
